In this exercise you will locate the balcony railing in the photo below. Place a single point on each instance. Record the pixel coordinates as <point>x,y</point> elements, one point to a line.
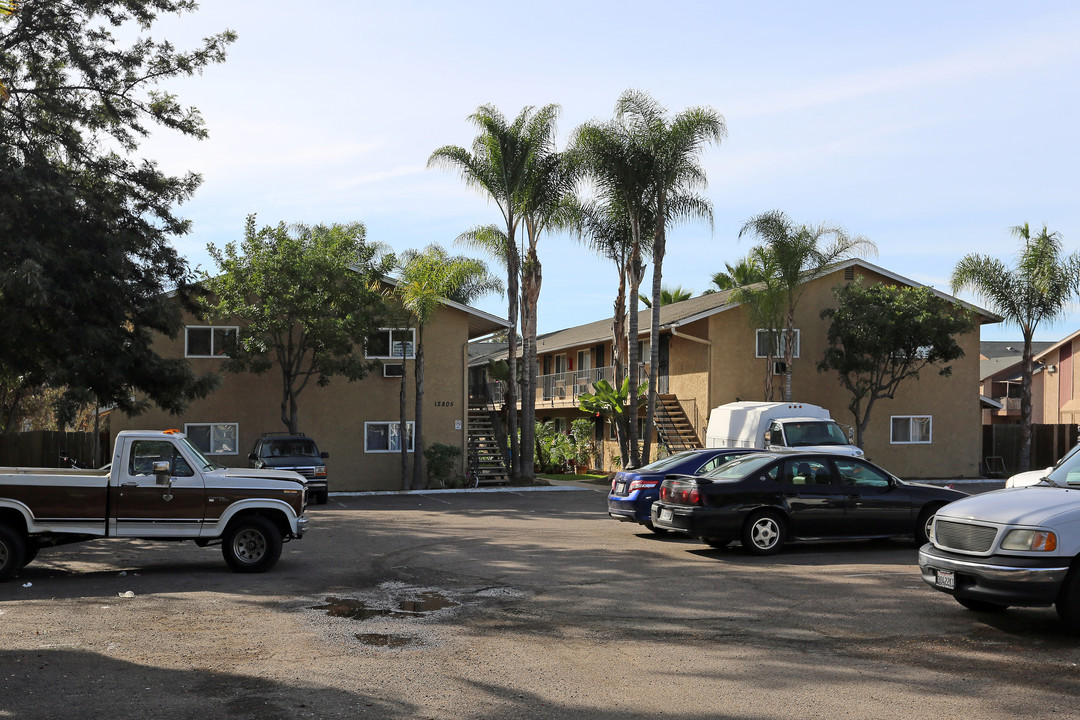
<point>1009,404</point>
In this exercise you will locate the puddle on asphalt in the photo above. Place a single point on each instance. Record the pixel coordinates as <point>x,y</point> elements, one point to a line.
<point>360,610</point>
<point>387,641</point>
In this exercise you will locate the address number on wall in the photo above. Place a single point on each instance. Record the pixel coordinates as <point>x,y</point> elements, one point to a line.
<point>444,403</point>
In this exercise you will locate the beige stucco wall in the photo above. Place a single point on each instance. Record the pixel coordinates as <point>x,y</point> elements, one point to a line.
<point>334,415</point>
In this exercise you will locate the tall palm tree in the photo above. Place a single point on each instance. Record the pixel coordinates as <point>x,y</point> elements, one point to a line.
<point>1039,288</point>
<point>796,254</point>
<point>763,303</point>
<point>545,202</point>
<point>669,152</point>
<point>426,280</point>
<point>616,167</point>
<point>497,165</point>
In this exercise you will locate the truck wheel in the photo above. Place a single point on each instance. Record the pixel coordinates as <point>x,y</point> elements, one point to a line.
<point>922,528</point>
<point>12,551</point>
<point>764,534</point>
<point>252,544</point>
<point>31,552</point>
<point>1068,602</point>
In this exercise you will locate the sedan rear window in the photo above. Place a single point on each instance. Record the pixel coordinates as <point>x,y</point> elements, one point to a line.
<point>742,467</point>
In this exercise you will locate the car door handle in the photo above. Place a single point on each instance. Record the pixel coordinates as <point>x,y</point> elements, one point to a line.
<point>129,483</point>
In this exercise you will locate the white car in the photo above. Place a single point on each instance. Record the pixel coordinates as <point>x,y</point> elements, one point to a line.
<point>1032,477</point>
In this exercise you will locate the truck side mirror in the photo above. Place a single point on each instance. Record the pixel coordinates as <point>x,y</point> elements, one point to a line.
<point>768,437</point>
<point>324,455</point>
<point>253,457</point>
<point>163,471</point>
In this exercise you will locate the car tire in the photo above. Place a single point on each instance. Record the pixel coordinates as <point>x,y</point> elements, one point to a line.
<point>716,543</point>
<point>981,605</point>
<point>1068,601</point>
<point>922,527</point>
<point>251,544</point>
<point>322,498</point>
<point>30,552</point>
<point>764,533</point>
<point>12,552</point>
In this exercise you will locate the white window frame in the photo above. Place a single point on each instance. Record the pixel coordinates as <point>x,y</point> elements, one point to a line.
<point>781,336</point>
<point>911,426</point>
<point>410,428</point>
<point>187,330</point>
<point>409,350</point>
<point>236,436</point>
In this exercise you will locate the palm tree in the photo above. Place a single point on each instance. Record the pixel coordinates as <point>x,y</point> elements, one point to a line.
<point>763,305</point>
<point>497,165</point>
<point>428,279</point>
<point>1038,289</point>
<point>668,152</point>
<point>610,159</point>
<point>796,256</point>
<point>545,202</point>
<point>746,272</point>
<point>669,296</point>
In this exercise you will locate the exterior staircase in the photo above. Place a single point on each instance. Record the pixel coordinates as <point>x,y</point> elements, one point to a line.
<point>674,429</point>
<point>484,459</point>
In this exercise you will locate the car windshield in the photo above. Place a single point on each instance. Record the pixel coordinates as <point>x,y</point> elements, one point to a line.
<point>291,447</point>
<point>802,434</point>
<point>740,467</point>
<point>1067,470</point>
<point>199,457</point>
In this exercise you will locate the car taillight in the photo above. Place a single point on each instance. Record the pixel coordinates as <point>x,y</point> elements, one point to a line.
<point>643,484</point>
<point>681,494</point>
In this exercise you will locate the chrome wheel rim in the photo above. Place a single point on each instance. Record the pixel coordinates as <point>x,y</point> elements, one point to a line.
<point>249,546</point>
<point>765,533</point>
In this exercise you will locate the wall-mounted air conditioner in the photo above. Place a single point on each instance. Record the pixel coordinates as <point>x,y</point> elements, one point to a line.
<point>393,369</point>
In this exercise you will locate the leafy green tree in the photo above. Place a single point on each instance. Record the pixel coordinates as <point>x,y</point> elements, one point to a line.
<point>88,273</point>
<point>427,280</point>
<point>796,255</point>
<point>1038,289</point>
<point>883,335</point>
<point>498,165</point>
<point>306,298</point>
<point>618,405</point>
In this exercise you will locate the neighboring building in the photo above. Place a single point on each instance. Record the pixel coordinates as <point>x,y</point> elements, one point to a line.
<point>1055,398</point>
<point>356,423</point>
<point>709,356</point>
<point>1001,365</point>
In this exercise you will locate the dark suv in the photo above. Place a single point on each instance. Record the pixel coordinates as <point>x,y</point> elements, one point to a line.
<point>284,451</point>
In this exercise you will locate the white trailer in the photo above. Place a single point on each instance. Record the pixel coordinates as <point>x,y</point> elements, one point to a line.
<point>774,426</point>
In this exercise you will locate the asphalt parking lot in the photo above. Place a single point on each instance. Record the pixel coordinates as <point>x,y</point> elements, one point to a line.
<point>513,605</point>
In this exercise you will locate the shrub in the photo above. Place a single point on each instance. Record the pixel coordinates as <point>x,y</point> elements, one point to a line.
<point>442,463</point>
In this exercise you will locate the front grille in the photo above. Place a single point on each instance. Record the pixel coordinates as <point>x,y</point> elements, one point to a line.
<point>308,472</point>
<point>964,537</point>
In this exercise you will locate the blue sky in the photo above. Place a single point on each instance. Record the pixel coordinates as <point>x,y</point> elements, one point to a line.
<point>930,128</point>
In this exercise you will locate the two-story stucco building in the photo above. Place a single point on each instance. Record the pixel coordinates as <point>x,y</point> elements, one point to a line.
<point>355,422</point>
<point>710,356</point>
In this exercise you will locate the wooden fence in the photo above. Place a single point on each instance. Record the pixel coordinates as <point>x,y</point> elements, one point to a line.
<point>1048,444</point>
<point>45,448</point>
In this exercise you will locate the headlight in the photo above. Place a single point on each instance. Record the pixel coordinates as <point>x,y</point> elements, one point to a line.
<point>1039,540</point>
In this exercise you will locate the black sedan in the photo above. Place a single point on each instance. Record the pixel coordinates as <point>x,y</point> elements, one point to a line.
<point>767,499</point>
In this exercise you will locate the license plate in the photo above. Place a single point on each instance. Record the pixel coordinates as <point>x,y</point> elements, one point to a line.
<point>946,579</point>
<point>620,488</point>
<point>665,515</point>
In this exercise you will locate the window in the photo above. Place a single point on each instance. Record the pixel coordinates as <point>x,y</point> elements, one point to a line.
<point>385,437</point>
<point>208,341</point>
<point>779,343</point>
<point>911,429</point>
<point>853,472</point>
<point>807,472</point>
<point>144,453</point>
<point>391,343</point>
<point>214,438</point>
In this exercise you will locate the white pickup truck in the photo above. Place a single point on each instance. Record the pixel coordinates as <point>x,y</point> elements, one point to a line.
<point>1018,546</point>
<point>159,487</point>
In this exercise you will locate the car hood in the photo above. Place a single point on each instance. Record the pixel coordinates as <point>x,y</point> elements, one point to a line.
<point>266,474</point>
<point>1035,505</point>
<point>1027,478</point>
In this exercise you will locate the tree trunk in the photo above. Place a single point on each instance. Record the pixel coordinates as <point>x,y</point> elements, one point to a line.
<point>418,418</point>
<point>618,353</point>
<point>637,272</point>
<point>1025,405</point>
<point>531,279</point>
<point>513,264</point>
<point>403,427</point>
<point>659,248</point>
<point>789,354</point>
